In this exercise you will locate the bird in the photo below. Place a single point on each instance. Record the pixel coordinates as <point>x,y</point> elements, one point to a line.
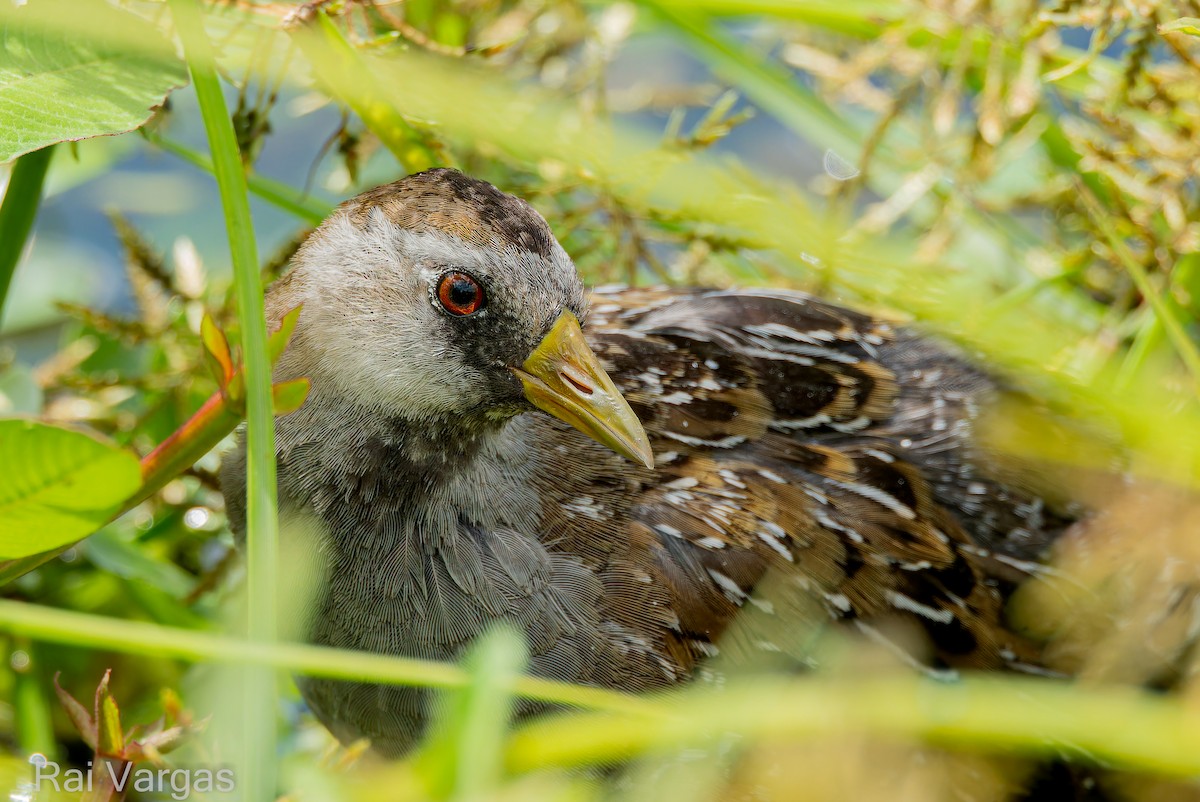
<point>624,475</point>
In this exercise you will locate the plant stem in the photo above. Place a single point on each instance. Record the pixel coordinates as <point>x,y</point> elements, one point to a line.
<point>339,64</point>
<point>158,641</point>
<point>262,523</point>
<point>1129,727</point>
<point>18,211</point>
<point>1170,323</point>
<point>308,209</point>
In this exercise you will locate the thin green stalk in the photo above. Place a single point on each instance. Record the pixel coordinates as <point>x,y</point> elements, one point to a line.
<point>161,642</point>
<point>767,83</point>
<point>1145,342</point>
<point>261,516</point>
<point>863,18</point>
<point>1128,727</point>
<point>18,211</point>
<point>340,65</point>
<point>1171,325</point>
<point>310,210</point>
<point>1030,714</point>
<point>31,701</point>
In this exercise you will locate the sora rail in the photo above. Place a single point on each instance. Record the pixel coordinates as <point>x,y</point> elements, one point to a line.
<point>464,457</point>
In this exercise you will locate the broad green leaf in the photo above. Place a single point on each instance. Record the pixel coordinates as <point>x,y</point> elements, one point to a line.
<point>1188,25</point>
<point>57,88</point>
<point>57,486</point>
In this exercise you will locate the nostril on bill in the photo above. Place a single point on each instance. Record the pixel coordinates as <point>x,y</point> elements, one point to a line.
<point>581,385</point>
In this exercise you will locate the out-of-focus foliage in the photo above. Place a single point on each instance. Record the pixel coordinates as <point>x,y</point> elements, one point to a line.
<point>1016,175</point>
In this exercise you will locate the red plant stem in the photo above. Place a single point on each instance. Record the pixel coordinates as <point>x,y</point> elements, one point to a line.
<point>186,445</point>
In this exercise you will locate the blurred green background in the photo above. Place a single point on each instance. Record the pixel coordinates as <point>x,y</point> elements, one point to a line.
<point>1017,176</point>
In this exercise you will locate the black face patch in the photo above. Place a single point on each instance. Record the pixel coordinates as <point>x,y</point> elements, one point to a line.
<point>494,342</point>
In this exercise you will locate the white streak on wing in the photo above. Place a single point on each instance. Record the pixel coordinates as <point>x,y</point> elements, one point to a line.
<point>731,589</point>
<point>902,602</point>
<point>815,495</point>
<point>801,423</point>
<point>668,530</point>
<point>725,442</point>
<point>875,494</point>
<point>677,397</point>
<point>826,521</point>
<point>840,601</point>
<point>789,333</point>
<point>732,478</point>
<point>772,476</point>
<point>773,535</point>
<point>859,423</point>
<point>682,483</point>
<point>779,356</point>
<point>679,498</point>
<point>585,506</point>
<point>773,349</point>
<point>763,604</point>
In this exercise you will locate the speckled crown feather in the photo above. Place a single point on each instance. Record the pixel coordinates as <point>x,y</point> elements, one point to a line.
<point>450,202</point>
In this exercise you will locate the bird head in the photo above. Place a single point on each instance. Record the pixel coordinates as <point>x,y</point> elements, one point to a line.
<point>439,297</point>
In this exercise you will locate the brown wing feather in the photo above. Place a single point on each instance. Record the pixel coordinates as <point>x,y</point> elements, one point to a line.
<point>805,451</point>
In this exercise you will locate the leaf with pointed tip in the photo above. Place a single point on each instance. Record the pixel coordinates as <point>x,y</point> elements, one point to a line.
<point>173,709</point>
<point>77,713</point>
<point>235,391</point>
<point>1188,25</point>
<point>170,739</point>
<point>288,396</point>
<point>279,338</point>
<point>110,740</point>
<point>216,351</point>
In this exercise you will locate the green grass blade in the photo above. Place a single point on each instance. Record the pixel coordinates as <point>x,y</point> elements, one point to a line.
<point>863,18</point>
<point>1034,716</point>
<point>464,754</point>
<point>161,642</point>
<point>18,211</point>
<point>32,703</point>
<point>767,83</point>
<point>262,525</point>
<point>1163,309</point>
<point>343,66</point>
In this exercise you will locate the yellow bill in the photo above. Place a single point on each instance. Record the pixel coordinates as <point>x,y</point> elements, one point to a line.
<point>564,378</point>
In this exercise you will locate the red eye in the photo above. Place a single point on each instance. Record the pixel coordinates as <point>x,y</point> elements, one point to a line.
<point>460,294</point>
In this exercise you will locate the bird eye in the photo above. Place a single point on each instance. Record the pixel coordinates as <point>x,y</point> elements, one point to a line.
<point>459,294</point>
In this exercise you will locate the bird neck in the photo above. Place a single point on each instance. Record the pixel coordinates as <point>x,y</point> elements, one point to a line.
<point>357,443</point>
